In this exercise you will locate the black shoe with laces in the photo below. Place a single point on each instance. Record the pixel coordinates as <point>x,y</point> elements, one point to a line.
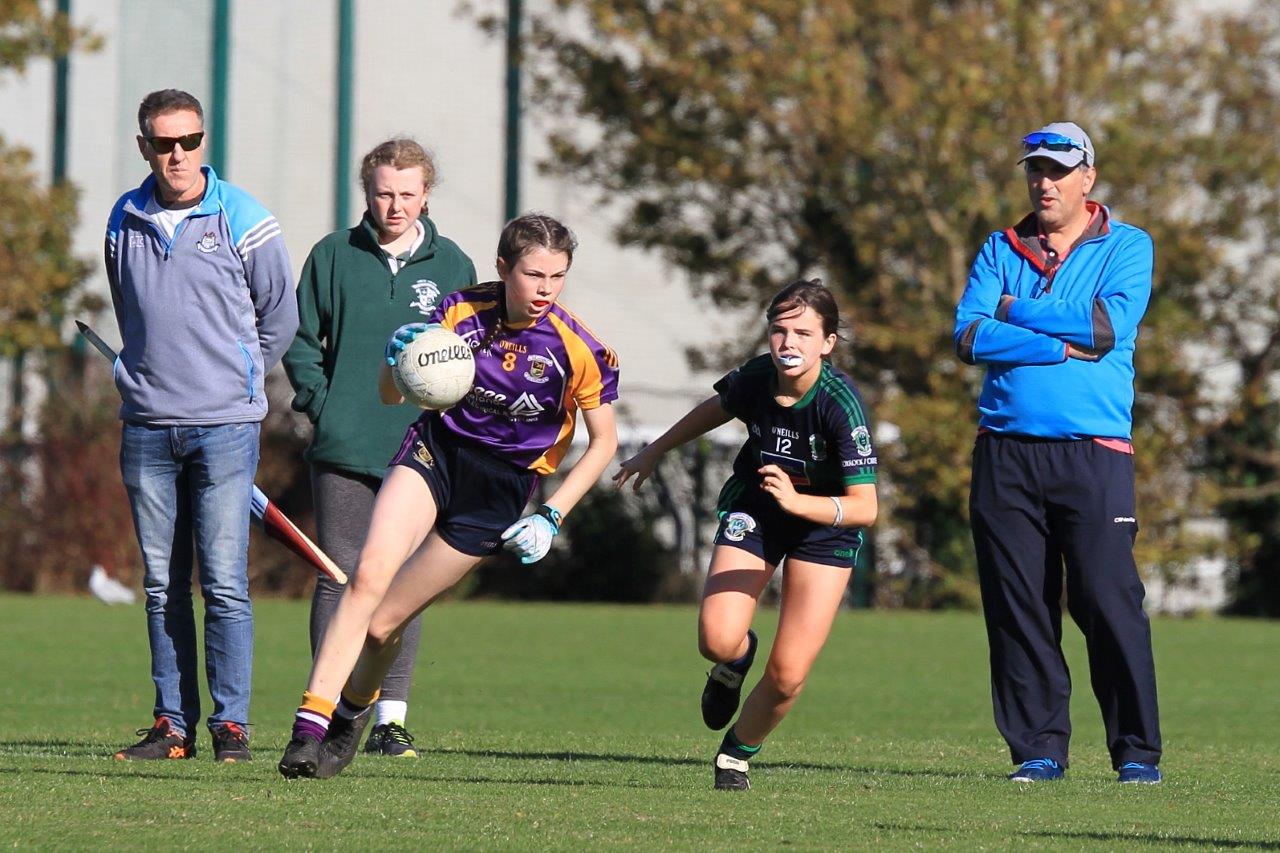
<point>230,743</point>
<point>723,690</point>
<point>731,773</point>
<point>301,758</point>
<point>160,742</point>
<point>390,739</point>
<point>340,744</point>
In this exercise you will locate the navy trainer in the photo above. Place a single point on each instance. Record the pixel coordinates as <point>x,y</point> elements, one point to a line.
<point>1137,773</point>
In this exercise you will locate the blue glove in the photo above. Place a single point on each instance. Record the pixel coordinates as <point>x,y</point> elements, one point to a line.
<point>530,537</point>
<point>400,337</point>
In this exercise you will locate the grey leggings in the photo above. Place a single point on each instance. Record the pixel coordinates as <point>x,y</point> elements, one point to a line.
<point>344,506</point>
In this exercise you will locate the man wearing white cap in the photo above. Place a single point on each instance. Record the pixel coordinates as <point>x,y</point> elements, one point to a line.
<point>1051,309</point>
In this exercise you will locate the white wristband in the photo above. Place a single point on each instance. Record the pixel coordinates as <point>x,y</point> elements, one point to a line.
<point>839,510</point>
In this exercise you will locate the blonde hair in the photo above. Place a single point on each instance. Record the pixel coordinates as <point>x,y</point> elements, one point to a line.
<point>400,152</point>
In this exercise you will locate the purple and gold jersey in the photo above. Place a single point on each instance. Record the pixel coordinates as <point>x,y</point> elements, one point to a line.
<point>823,441</point>
<point>530,380</point>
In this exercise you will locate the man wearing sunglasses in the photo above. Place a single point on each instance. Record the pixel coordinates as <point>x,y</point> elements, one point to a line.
<point>204,297</point>
<point>1051,309</point>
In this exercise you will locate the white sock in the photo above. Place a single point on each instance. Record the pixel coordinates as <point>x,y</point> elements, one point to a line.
<point>391,711</point>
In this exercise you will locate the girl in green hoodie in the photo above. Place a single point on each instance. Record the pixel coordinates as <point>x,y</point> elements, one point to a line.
<point>358,286</point>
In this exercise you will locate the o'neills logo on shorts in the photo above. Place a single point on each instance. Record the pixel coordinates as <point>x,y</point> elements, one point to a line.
<point>456,352</point>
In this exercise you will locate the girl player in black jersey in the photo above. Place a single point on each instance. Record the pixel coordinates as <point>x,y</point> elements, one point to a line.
<point>803,486</point>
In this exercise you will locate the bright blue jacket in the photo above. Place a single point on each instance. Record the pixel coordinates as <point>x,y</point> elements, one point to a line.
<point>203,316</point>
<point>1093,301</point>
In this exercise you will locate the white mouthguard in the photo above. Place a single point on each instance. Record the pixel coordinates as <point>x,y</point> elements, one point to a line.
<point>791,360</point>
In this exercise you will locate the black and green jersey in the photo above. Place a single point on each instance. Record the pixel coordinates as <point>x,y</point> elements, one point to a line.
<point>823,441</point>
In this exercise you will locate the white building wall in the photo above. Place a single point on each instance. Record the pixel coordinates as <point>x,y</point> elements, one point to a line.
<point>421,70</point>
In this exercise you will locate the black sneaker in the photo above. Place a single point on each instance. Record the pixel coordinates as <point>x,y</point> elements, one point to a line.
<point>390,739</point>
<point>340,744</point>
<point>731,774</point>
<point>301,758</point>
<point>159,742</point>
<point>230,743</point>
<point>724,688</point>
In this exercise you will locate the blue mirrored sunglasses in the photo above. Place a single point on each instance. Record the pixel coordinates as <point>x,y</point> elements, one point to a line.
<point>1052,141</point>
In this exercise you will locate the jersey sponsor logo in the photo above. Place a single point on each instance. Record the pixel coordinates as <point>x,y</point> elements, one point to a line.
<point>483,400</point>
<point>858,463</point>
<point>786,433</point>
<point>537,371</point>
<point>209,243</point>
<point>862,440</point>
<point>1125,519</point>
<point>755,430</point>
<point>817,448</point>
<point>796,469</point>
<point>737,525</point>
<point>482,393</point>
<point>525,404</point>
<point>137,241</point>
<point>426,292</point>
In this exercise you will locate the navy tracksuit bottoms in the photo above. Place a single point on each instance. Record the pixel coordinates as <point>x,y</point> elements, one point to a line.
<point>1038,505</point>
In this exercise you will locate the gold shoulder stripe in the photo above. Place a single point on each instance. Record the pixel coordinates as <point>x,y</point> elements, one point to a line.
<point>610,355</point>
<point>460,311</point>
<point>588,382</point>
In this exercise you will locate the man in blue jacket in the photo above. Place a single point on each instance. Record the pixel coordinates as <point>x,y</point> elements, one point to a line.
<point>204,296</point>
<point>1052,308</point>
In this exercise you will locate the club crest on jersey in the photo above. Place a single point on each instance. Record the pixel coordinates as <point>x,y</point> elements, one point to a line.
<point>862,440</point>
<point>817,448</point>
<point>537,371</point>
<point>737,526</point>
<point>209,243</point>
<point>424,457</point>
<point>426,293</point>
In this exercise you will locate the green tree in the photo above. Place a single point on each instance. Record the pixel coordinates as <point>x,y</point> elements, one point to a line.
<point>39,274</point>
<point>873,143</point>
<point>57,511</point>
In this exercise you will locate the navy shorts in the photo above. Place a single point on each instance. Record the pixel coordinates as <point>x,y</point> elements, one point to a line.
<point>751,520</point>
<point>477,495</point>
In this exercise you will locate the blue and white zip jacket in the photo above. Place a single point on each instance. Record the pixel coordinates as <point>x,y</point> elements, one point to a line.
<point>203,317</point>
<point>1021,310</point>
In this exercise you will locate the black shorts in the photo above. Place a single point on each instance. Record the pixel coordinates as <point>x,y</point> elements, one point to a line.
<point>477,495</point>
<point>751,520</point>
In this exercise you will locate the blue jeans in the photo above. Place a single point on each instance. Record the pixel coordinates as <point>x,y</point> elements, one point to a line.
<point>189,490</point>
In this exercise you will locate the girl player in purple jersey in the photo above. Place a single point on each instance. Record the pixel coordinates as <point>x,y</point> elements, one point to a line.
<point>455,491</point>
<point>803,486</point>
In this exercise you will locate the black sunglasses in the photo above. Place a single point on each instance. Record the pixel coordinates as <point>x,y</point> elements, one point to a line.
<point>164,144</point>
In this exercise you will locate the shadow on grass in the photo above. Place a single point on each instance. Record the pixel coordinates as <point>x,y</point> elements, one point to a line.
<point>114,769</point>
<point>44,748</point>
<point>673,761</point>
<point>478,779</point>
<point>66,749</point>
<point>1155,838</point>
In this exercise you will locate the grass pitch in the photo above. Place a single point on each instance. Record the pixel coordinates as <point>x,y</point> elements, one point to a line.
<point>543,726</point>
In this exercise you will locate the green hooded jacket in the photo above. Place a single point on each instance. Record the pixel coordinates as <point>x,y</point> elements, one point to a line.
<point>349,303</point>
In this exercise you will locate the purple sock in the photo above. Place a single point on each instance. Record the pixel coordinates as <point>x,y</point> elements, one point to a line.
<point>308,725</point>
